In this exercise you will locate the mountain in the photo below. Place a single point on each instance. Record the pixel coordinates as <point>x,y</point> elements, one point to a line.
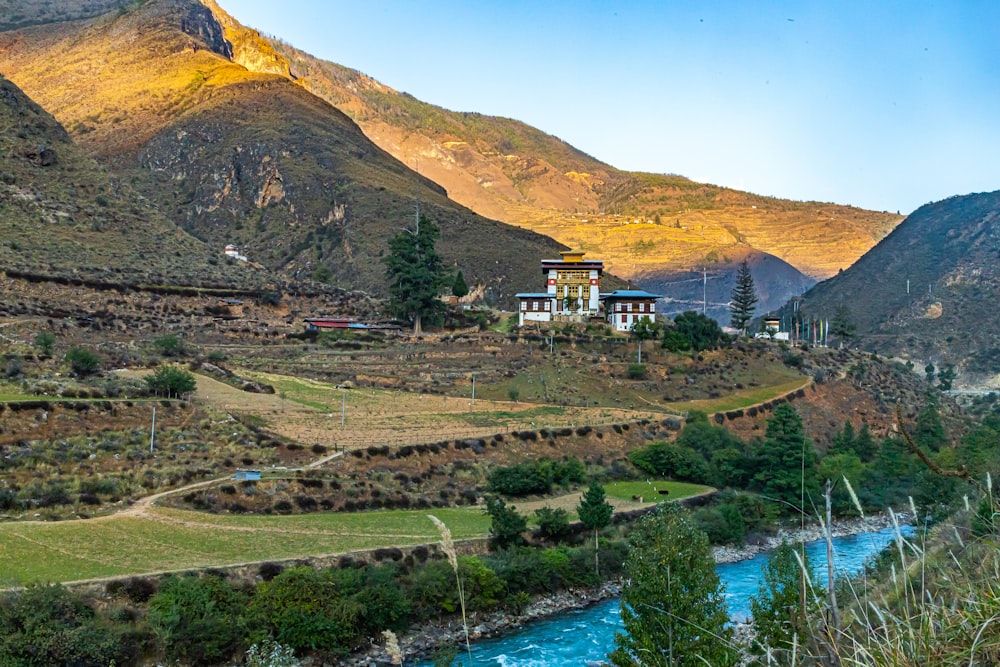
<point>513,172</point>
<point>928,291</point>
<point>159,92</point>
<point>20,13</point>
<point>775,282</point>
<point>64,216</point>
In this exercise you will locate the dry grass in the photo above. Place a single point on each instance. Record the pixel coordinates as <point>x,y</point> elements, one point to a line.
<point>309,411</point>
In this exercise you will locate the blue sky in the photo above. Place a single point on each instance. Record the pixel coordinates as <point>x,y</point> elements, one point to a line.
<point>884,105</point>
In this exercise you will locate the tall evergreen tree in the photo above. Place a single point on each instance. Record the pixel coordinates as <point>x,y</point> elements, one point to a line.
<point>595,512</point>
<point>506,525</point>
<point>459,288</point>
<point>673,607</point>
<point>415,274</point>
<point>843,326</point>
<point>743,299</point>
<point>788,460</point>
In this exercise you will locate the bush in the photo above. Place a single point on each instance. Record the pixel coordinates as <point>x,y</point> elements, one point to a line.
<point>45,341</point>
<point>535,477</point>
<point>169,345</point>
<point>83,362</point>
<point>636,371</point>
<point>200,620</point>
<point>553,524</point>
<point>693,330</point>
<point>49,625</point>
<point>171,382</point>
<point>666,460</point>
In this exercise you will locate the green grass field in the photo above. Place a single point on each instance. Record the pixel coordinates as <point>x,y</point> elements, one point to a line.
<point>649,490</point>
<point>740,399</point>
<point>167,540</point>
<point>171,540</point>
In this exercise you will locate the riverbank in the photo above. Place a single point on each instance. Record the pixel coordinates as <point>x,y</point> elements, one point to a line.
<point>424,640</point>
<point>808,533</point>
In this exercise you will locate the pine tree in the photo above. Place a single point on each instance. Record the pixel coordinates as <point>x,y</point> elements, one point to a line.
<point>673,607</point>
<point>415,274</point>
<point>506,524</point>
<point>788,460</point>
<point>743,299</point>
<point>843,326</point>
<point>595,513</point>
<point>459,288</point>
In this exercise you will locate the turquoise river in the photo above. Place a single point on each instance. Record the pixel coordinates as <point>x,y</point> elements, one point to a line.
<point>583,637</point>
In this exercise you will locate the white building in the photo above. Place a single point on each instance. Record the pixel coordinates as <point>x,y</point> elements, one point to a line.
<point>574,284</point>
<point>534,307</point>
<point>623,308</point>
<point>234,252</point>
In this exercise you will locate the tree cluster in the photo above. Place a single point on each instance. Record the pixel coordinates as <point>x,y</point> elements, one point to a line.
<point>783,470</point>
<point>325,613</point>
<point>535,477</point>
<point>692,331</point>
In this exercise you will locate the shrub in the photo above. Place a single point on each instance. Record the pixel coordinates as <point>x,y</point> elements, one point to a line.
<point>46,624</point>
<point>553,524</point>
<point>199,619</point>
<point>171,381</point>
<point>45,341</point>
<point>667,460</point>
<point>83,362</point>
<point>636,371</point>
<point>169,345</point>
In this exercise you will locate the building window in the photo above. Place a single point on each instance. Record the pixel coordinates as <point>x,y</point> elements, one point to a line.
<point>524,305</point>
<point>642,307</point>
<point>618,308</point>
<point>630,307</point>
<point>534,305</point>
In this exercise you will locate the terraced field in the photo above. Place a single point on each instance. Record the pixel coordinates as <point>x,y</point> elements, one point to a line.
<point>147,539</point>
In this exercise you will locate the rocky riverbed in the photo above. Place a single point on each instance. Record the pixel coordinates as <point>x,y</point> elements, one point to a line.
<point>422,641</point>
<point>809,533</point>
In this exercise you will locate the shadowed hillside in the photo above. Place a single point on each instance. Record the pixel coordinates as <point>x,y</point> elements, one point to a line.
<point>63,216</point>
<point>775,282</point>
<point>928,290</point>
<point>246,157</point>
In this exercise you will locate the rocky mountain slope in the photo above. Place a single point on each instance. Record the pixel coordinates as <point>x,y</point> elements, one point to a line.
<point>928,290</point>
<point>63,216</point>
<point>513,172</point>
<point>156,92</point>
<point>775,282</point>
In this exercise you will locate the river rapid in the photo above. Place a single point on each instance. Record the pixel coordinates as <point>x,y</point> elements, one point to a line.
<point>586,636</point>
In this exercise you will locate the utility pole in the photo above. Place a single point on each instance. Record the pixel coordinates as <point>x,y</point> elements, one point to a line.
<point>416,193</point>
<point>473,404</point>
<point>704,291</point>
<point>152,431</point>
<point>343,409</point>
